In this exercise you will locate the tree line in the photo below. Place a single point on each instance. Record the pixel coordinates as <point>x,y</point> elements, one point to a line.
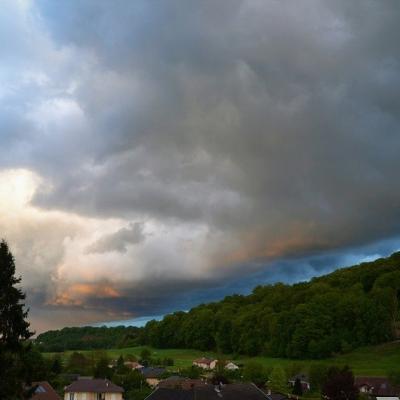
<point>335,313</point>
<point>331,314</point>
<point>88,338</point>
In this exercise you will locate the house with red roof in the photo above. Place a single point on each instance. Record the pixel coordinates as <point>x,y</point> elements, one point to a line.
<point>205,363</point>
<point>43,391</point>
<point>376,386</point>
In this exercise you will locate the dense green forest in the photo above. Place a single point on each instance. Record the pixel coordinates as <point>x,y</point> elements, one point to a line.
<point>335,313</point>
<point>88,338</point>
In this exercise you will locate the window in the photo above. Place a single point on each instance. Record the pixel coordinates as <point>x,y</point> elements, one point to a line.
<point>72,396</point>
<point>100,396</point>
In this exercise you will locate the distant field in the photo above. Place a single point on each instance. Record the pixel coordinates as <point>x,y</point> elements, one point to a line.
<point>369,361</point>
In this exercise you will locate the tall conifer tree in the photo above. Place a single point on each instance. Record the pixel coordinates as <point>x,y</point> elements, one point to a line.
<point>14,329</point>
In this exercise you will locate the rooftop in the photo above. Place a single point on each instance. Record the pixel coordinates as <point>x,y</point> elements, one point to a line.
<point>44,391</point>
<point>379,386</point>
<point>93,386</point>
<point>151,372</point>
<point>236,391</point>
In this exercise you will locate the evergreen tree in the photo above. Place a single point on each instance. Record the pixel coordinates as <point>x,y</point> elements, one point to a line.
<point>102,370</point>
<point>297,388</point>
<point>14,330</point>
<point>56,365</point>
<point>145,354</point>
<point>121,368</point>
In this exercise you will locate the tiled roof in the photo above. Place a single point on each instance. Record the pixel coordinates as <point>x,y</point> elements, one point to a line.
<point>237,391</point>
<point>180,382</point>
<point>93,386</point>
<point>152,372</point>
<point>44,391</point>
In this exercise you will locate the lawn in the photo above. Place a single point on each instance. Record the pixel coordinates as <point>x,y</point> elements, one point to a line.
<point>368,361</point>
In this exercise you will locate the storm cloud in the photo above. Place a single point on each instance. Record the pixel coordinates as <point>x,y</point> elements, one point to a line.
<point>249,138</point>
<point>119,240</point>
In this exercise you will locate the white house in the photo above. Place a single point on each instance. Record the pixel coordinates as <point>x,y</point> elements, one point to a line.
<point>93,389</point>
<point>205,363</point>
<point>231,366</point>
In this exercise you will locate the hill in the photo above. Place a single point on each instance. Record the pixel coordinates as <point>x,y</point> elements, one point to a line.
<point>336,313</point>
<point>366,361</point>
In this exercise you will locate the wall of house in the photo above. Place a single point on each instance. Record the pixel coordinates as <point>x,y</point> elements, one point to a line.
<point>153,382</point>
<point>205,366</point>
<point>93,396</point>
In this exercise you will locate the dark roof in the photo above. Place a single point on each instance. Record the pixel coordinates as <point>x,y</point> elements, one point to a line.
<point>180,382</point>
<point>93,386</point>
<point>236,391</point>
<point>171,394</point>
<point>378,386</point>
<point>152,372</point>
<point>44,391</point>
<point>302,377</point>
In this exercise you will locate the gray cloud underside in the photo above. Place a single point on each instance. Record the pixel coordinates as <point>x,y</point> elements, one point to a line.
<point>274,124</point>
<point>120,240</point>
<point>248,115</point>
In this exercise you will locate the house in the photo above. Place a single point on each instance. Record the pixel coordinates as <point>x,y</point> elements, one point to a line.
<point>93,389</point>
<point>44,391</point>
<point>231,366</point>
<point>376,386</point>
<point>153,375</point>
<point>205,363</point>
<point>179,382</point>
<point>305,382</point>
<point>387,398</point>
<point>133,365</point>
<point>234,391</point>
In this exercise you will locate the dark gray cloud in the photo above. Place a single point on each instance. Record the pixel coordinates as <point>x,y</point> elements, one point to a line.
<point>247,115</point>
<point>244,132</point>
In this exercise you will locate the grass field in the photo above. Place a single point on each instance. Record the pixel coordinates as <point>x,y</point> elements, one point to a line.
<point>368,361</point>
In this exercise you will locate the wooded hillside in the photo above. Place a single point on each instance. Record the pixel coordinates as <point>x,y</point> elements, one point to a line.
<point>335,313</point>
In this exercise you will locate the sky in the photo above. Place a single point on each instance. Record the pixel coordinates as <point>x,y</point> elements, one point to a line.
<point>159,154</point>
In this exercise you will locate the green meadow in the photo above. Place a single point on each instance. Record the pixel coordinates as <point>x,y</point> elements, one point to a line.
<point>368,361</point>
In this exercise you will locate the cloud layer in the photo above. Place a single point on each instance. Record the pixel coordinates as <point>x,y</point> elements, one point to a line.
<point>161,152</point>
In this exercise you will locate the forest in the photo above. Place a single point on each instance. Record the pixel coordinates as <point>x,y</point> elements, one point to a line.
<point>331,314</point>
<point>88,338</point>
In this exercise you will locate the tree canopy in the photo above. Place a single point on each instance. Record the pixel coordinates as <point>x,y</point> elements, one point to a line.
<point>335,313</point>
<point>14,330</point>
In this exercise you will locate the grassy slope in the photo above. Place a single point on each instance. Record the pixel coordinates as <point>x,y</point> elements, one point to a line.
<point>369,361</point>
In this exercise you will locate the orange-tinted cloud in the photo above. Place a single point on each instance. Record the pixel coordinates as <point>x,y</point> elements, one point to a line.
<point>76,294</point>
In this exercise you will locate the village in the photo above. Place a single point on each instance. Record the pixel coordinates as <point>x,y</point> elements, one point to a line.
<point>209,379</point>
